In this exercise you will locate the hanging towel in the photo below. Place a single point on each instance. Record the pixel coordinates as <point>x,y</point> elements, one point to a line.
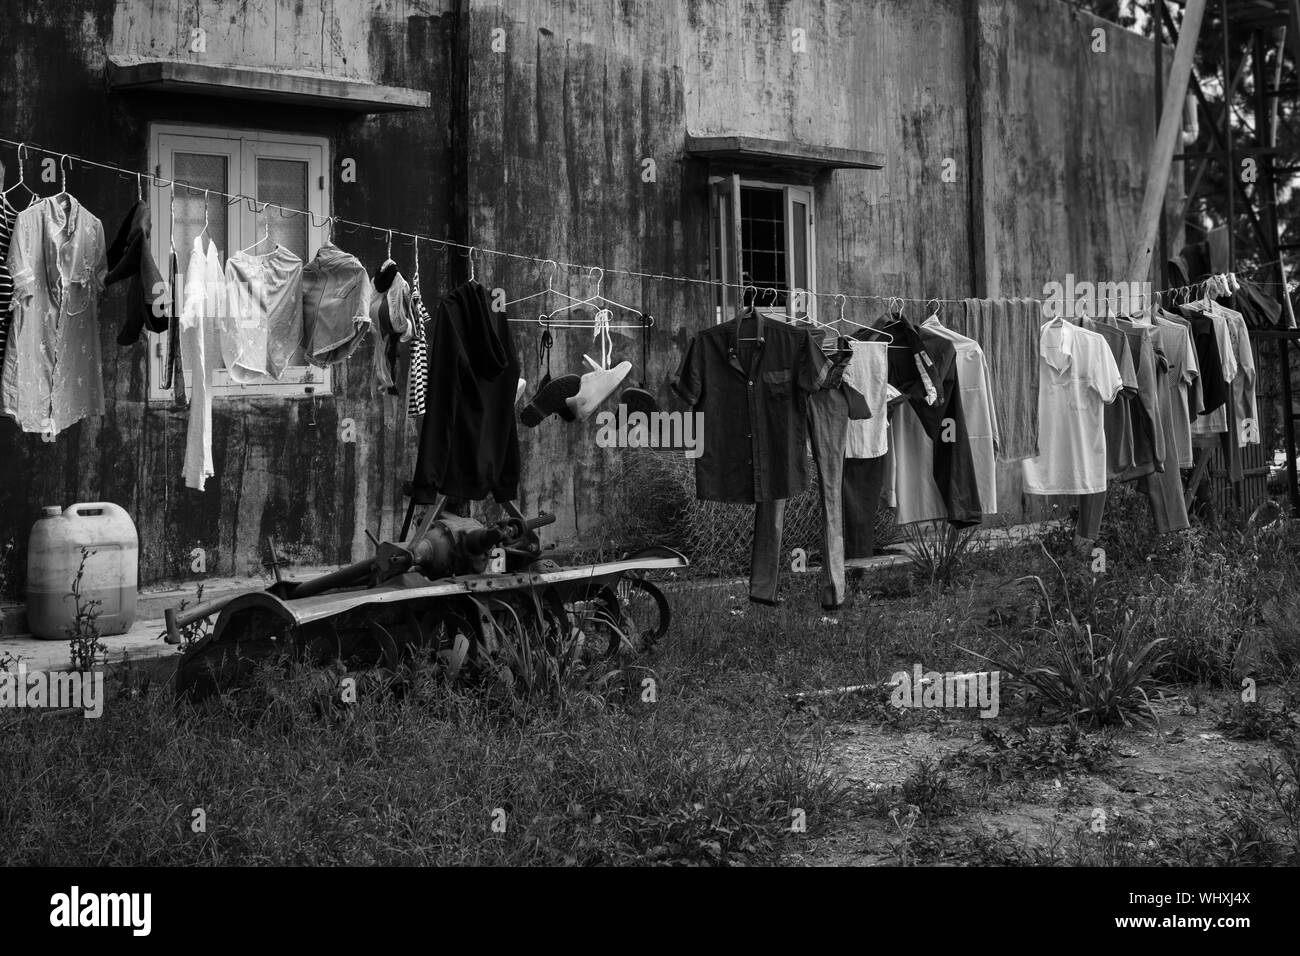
<point>1007,332</point>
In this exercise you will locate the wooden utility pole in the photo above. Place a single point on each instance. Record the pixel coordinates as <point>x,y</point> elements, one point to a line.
<point>1162,154</point>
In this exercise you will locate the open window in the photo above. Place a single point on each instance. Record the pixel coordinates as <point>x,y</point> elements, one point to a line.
<point>268,167</point>
<point>768,244</point>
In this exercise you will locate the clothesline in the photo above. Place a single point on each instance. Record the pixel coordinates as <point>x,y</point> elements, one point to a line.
<point>472,251</point>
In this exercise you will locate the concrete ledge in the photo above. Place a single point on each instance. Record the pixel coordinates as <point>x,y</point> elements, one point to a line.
<point>296,89</point>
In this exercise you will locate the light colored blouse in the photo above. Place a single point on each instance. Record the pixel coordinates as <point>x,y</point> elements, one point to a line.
<point>53,374</point>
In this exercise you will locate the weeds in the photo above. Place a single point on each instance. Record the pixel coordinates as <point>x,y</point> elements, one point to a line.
<point>10,570</point>
<point>1054,752</point>
<point>1253,721</point>
<point>1084,676</point>
<point>938,550</point>
<point>195,631</point>
<point>1281,790</point>
<point>84,643</point>
<point>925,795</point>
<point>539,659</point>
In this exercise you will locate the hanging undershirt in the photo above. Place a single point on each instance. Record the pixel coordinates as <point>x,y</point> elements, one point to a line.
<point>204,303</point>
<point>868,374</point>
<point>262,325</point>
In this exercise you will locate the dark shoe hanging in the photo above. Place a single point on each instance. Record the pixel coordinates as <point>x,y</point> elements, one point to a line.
<point>550,400</point>
<point>637,399</point>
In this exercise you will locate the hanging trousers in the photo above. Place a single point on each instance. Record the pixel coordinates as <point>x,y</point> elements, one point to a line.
<point>1164,489</point>
<point>828,419</point>
<point>864,483</point>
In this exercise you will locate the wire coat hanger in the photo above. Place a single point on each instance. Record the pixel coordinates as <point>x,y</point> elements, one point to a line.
<point>548,290</point>
<point>22,178</point>
<point>602,303</point>
<point>265,235</point>
<point>204,230</point>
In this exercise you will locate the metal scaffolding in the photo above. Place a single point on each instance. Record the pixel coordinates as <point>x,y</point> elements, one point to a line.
<point>1246,193</point>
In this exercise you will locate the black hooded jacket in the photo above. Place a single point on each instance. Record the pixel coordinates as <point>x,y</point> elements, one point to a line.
<point>469,441</point>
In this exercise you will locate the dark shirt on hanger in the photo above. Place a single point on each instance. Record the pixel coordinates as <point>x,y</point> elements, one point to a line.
<point>1118,420</point>
<point>1148,428</point>
<point>1258,309</point>
<point>924,363</point>
<point>753,396</point>
<point>1214,388</point>
<point>129,257</point>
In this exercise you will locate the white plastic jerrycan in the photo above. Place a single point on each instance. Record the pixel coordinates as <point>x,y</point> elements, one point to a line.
<point>54,555</point>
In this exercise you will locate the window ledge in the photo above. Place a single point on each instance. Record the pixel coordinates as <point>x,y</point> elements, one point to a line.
<point>242,83</point>
<point>756,151</point>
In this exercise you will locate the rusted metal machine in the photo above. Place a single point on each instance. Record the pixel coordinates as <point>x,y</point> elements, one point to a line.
<point>454,586</point>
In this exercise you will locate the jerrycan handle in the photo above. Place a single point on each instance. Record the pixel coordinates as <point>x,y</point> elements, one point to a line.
<point>91,509</point>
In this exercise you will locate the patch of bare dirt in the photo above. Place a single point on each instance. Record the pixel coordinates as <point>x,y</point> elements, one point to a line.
<point>1177,773</point>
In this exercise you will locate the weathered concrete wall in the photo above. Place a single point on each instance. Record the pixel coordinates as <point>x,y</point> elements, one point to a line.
<point>1046,141</point>
<point>538,149</point>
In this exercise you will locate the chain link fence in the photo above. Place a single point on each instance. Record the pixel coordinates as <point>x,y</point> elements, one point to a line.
<point>656,504</point>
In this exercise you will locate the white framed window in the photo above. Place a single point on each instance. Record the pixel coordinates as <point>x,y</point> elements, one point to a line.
<point>267,167</point>
<point>774,236</point>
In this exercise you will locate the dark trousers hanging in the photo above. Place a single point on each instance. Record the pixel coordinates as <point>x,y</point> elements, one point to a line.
<point>828,419</point>
<point>864,482</point>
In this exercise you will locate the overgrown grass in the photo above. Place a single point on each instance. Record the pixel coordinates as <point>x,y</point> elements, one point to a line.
<point>714,765</point>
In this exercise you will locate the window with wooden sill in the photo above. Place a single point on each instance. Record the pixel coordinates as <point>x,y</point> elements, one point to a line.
<point>774,235</point>
<point>267,167</point>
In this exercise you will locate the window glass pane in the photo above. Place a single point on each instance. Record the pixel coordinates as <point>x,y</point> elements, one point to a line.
<point>799,254</point>
<point>203,172</point>
<point>725,250</point>
<point>283,181</point>
<point>763,251</point>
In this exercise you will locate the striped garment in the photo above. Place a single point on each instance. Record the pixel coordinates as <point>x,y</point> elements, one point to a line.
<point>1007,331</point>
<point>7,216</point>
<point>417,380</point>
